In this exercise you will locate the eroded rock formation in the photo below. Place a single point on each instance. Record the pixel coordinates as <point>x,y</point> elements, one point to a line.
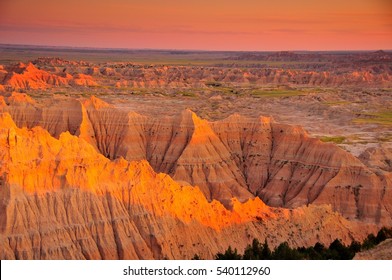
<point>45,73</point>
<point>237,157</point>
<point>29,77</point>
<point>61,199</point>
<point>382,251</point>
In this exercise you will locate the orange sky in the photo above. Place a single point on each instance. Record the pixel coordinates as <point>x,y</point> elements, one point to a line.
<point>201,24</point>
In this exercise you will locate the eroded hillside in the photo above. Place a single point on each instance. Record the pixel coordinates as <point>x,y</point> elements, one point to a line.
<point>62,199</point>
<point>53,72</point>
<point>236,157</point>
<point>176,160</point>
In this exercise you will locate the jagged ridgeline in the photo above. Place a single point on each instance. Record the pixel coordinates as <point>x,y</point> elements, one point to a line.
<point>82,179</point>
<point>368,69</point>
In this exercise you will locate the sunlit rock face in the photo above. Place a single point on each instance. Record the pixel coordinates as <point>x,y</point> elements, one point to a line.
<point>62,199</point>
<point>29,77</point>
<point>83,179</point>
<point>46,73</point>
<point>237,157</point>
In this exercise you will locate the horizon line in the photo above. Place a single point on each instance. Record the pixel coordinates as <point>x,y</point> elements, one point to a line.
<point>68,47</point>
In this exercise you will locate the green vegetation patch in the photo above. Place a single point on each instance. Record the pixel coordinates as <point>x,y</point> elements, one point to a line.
<point>336,103</point>
<point>385,138</point>
<point>87,94</point>
<point>334,139</point>
<point>188,94</point>
<point>382,118</point>
<point>213,84</point>
<point>275,93</point>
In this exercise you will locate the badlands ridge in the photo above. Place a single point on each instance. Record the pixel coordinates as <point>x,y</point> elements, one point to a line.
<point>45,73</point>
<point>81,179</point>
<point>136,175</point>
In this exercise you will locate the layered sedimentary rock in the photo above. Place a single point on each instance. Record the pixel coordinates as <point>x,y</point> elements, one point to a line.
<point>46,73</point>
<point>29,77</point>
<point>378,158</point>
<point>61,199</point>
<point>237,157</point>
<point>382,251</point>
<point>285,167</point>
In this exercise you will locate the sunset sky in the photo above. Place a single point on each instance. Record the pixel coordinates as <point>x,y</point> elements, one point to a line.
<point>201,24</point>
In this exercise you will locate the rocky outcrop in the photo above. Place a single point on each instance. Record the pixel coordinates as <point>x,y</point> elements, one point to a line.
<point>378,158</point>
<point>141,76</point>
<point>285,167</point>
<point>382,251</point>
<point>45,73</point>
<point>237,157</point>
<point>29,77</point>
<point>83,80</point>
<point>241,157</point>
<point>63,200</point>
